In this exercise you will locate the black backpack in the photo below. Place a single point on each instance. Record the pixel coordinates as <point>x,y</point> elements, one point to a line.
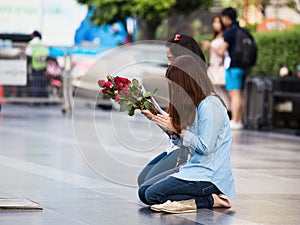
<point>244,52</point>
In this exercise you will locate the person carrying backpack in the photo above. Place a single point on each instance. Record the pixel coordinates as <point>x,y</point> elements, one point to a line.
<point>37,54</point>
<point>242,55</point>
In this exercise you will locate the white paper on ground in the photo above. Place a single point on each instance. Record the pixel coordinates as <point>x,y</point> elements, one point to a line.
<point>18,203</point>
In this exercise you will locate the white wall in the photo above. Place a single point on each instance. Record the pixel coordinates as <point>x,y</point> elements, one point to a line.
<point>56,19</point>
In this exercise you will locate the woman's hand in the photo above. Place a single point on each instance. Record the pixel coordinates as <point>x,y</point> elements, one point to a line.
<point>148,114</point>
<point>206,45</point>
<point>182,133</point>
<point>164,122</point>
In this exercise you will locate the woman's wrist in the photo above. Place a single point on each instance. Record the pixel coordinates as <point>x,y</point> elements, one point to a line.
<point>173,135</point>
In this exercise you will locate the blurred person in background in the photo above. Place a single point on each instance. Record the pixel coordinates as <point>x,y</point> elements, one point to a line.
<point>37,55</point>
<point>234,74</point>
<point>216,69</point>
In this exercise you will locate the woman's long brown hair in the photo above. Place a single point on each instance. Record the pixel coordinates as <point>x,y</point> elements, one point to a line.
<point>189,84</point>
<point>222,25</point>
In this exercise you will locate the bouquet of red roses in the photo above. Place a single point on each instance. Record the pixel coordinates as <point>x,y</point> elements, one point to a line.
<point>128,94</point>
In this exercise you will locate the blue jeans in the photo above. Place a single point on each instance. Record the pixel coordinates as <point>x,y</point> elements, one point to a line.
<point>160,164</point>
<point>39,83</point>
<point>175,189</point>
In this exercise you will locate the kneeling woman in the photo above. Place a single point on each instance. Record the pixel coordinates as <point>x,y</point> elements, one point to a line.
<point>201,119</point>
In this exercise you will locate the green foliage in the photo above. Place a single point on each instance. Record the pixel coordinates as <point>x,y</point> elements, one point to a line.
<point>152,12</point>
<point>135,99</point>
<point>109,11</point>
<point>251,27</point>
<point>291,4</point>
<point>275,49</point>
<point>184,8</point>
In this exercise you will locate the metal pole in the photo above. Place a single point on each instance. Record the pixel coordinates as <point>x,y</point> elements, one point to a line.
<point>67,88</point>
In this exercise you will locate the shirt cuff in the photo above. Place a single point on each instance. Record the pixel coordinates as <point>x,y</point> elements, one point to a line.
<point>190,139</point>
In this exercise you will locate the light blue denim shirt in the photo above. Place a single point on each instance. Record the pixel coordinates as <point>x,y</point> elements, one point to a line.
<point>209,139</point>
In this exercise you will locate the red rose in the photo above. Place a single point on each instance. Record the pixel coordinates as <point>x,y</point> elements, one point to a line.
<point>125,80</point>
<point>105,91</point>
<point>101,83</point>
<point>125,91</point>
<point>117,97</point>
<point>108,84</point>
<point>120,87</point>
<point>117,80</point>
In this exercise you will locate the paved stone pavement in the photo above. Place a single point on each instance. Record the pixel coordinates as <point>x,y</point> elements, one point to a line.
<point>82,169</point>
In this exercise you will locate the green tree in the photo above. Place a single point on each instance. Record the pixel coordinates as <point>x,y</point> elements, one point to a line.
<point>149,12</point>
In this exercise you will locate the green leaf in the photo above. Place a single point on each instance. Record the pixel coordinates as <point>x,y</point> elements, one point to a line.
<point>123,106</point>
<point>147,104</point>
<point>110,78</point>
<point>131,111</point>
<point>147,94</point>
<point>110,95</point>
<point>155,92</point>
<point>136,83</point>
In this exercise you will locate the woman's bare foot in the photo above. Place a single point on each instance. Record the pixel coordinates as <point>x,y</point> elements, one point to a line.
<point>220,202</point>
